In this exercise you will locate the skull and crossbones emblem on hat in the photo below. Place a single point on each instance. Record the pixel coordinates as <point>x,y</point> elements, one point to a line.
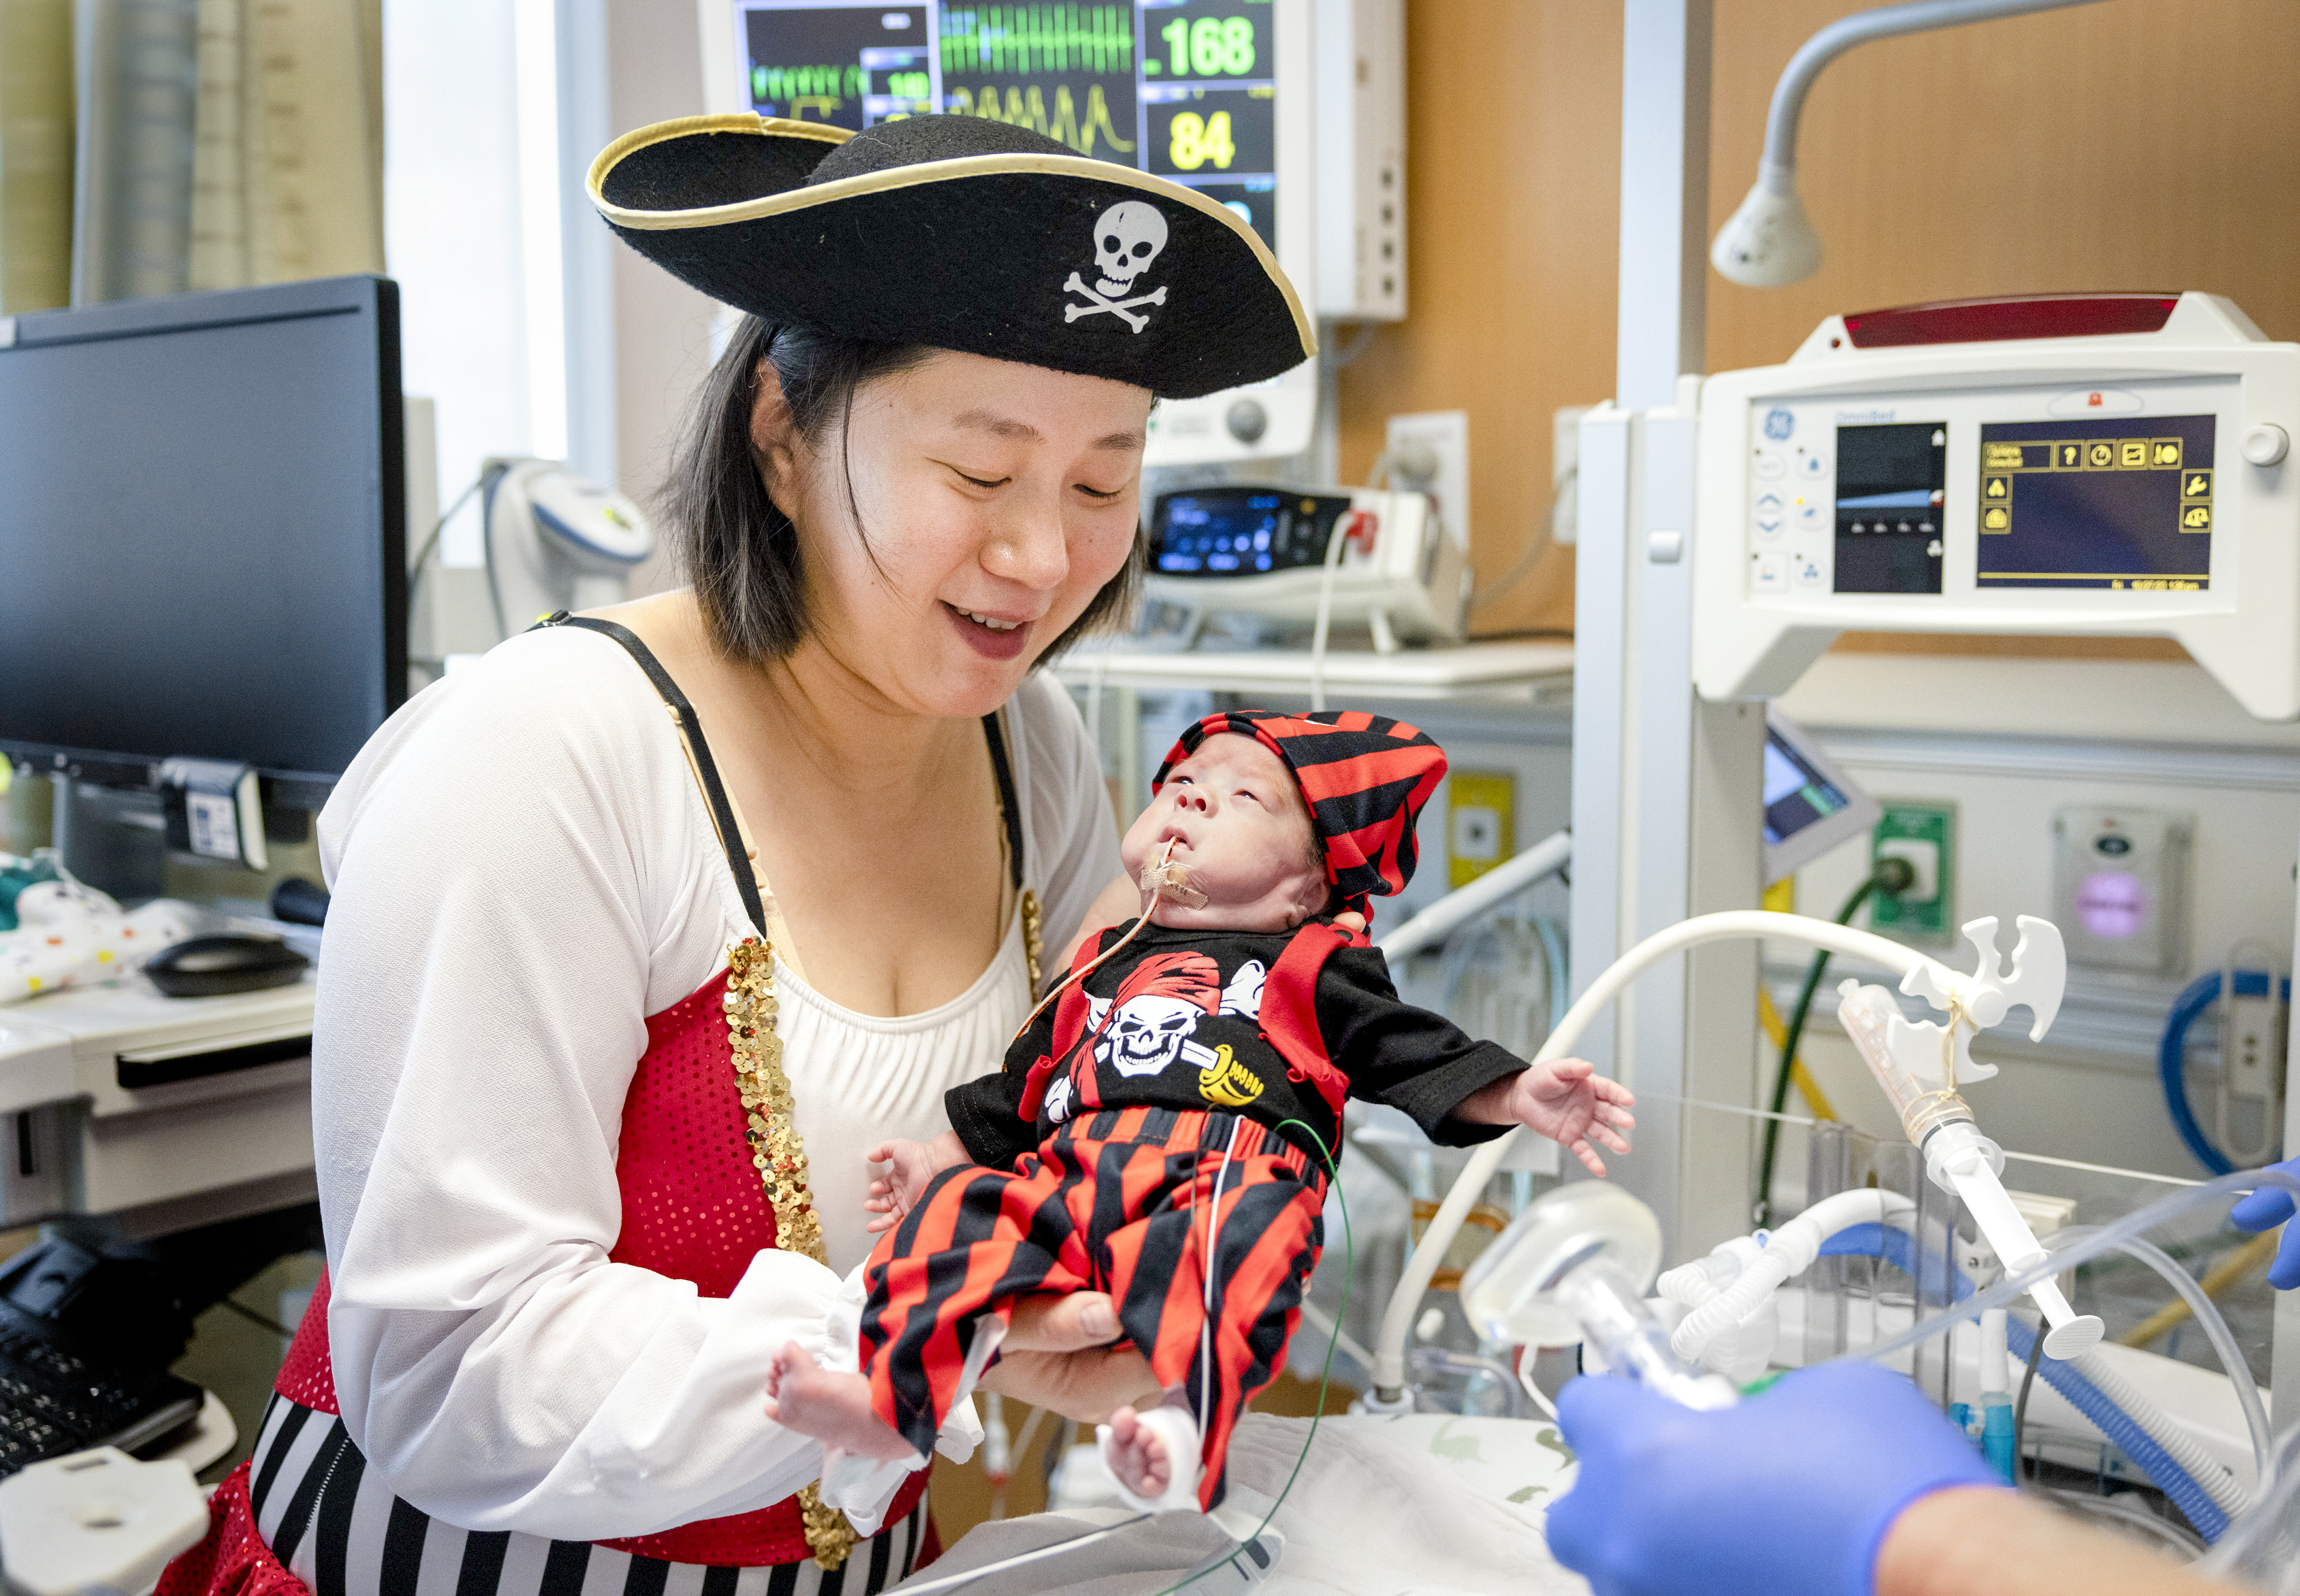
<point>1127,237</point>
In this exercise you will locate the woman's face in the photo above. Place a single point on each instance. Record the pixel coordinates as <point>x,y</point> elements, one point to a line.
<point>991,501</point>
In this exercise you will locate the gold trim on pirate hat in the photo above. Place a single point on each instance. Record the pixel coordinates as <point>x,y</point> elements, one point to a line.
<point>962,233</point>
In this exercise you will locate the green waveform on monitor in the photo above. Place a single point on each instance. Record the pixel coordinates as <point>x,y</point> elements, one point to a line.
<point>1028,40</point>
<point>774,83</point>
<point>1027,108</point>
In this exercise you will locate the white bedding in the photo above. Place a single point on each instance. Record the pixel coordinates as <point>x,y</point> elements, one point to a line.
<point>1430,1505</point>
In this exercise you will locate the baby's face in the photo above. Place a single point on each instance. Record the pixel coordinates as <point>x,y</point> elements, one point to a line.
<point>1237,820</point>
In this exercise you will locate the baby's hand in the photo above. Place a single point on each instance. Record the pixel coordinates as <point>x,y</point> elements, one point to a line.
<point>1567,1101</point>
<point>894,1194</point>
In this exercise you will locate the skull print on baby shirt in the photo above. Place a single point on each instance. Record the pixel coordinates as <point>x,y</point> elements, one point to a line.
<point>1276,1027</point>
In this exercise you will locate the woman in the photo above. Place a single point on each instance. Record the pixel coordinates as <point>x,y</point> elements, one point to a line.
<point>651,926</point>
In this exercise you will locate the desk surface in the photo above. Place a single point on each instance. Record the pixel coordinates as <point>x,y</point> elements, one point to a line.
<point>68,1044</point>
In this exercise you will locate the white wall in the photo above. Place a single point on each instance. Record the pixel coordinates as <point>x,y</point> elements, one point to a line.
<point>662,327</point>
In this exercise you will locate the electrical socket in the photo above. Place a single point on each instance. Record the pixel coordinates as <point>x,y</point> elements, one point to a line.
<point>1446,433</point>
<point>1565,468</point>
<point>1925,834</point>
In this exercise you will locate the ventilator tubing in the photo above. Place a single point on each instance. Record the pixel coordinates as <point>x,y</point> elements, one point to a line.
<point>1405,1301</point>
<point>2085,1243</point>
<point>1626,1336</point>
<point>1725,1288</point>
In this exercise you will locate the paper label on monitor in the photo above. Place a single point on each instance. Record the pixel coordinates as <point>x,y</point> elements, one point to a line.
<point>214,824</point>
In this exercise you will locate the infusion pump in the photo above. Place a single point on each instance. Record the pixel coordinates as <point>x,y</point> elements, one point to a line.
<point>1379,559</point>
<point>2117,464</point>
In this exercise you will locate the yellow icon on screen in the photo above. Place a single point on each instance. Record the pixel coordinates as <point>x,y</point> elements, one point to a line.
<point>2197,485</point>
<point>1996,519</point>
<point>2196,517</point>
<point>2132,452</point>
<point>2167,452</point>
<point>1998,487</point>
<point>2072,454</point>
<point>2100,454</point>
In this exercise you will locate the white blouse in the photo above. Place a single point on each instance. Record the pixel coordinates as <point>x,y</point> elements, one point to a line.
<point>524,868</point>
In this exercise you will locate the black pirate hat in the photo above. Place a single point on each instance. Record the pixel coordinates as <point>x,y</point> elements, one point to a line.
<point>962,233</point>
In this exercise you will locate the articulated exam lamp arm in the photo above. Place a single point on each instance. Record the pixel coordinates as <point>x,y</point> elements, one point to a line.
<point>1770,242</point>
<point>1981,997</point>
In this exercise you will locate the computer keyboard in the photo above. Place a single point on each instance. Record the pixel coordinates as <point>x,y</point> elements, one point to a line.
<point>55,1401</point>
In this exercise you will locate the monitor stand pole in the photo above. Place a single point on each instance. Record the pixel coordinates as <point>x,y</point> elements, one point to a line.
<point>114,839</point>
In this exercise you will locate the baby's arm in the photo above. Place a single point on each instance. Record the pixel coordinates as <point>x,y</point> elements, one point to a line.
<point>1454,1085</point>
<point>1565,1100</point>
<point>894,1194</point>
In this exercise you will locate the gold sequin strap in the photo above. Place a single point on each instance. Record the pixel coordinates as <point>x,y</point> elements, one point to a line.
<point>779,1156</point>
<point>1033,943</point>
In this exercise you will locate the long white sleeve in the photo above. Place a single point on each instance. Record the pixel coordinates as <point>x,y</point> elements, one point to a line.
<point>524,870</point>
<point>512,871</point>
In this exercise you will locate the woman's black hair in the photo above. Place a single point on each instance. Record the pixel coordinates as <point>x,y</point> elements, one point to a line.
<point>730,540</point>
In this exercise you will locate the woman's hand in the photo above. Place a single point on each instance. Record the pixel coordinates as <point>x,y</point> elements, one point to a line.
<point>1055,1355</point>
<point>894,1194</point>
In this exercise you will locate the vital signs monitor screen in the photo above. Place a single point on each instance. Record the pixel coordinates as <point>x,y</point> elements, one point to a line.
<point>2097,503</point>
<point>1185,89</point>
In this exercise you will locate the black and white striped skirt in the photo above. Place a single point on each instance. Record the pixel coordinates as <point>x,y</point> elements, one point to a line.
<point>339,1529</point>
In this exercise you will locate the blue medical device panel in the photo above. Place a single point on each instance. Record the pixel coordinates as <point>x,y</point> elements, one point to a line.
<point>1185,89</point>
<point>1795,794</point>
<point>1220,532</point>
<point>2124,504</point>
<point>1891,481</point>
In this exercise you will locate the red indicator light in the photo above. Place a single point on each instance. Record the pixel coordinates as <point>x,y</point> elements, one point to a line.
<point>2016,316</point>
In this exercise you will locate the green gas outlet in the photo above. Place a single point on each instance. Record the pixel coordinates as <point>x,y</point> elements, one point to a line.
<point>1925,834</point>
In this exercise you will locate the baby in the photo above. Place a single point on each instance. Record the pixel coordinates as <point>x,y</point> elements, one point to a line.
<point>1162,1129</point>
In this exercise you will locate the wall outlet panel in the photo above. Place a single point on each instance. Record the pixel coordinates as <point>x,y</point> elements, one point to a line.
<point>1481,823</point>
<point>1447,432</point>
<point>2120,886</point>
<point>1925,834</point>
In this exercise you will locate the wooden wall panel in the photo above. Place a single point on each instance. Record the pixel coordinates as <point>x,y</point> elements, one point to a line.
<point>2132,143</point>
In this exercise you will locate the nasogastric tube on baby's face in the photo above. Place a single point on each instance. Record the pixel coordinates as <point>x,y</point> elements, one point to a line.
<point>1169,879</point>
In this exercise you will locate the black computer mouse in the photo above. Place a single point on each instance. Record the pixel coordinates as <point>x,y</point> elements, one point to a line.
<point>211,966</point>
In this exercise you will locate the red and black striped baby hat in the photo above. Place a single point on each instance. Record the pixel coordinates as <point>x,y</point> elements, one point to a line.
<point>1365,777</point>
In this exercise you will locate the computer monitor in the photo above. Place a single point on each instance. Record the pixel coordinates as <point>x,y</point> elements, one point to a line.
<point>1215,95</point>
<point>202,550</point>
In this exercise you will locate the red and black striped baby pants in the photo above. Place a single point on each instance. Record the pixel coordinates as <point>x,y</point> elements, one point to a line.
<point>1122,1201</point>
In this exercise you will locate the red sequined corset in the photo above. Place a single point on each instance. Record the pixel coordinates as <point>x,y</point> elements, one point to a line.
<point>692,1210</point>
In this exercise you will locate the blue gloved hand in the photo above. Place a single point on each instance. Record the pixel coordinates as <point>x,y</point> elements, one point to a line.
<point>2273,1205</point>
<point>1788,1494</point>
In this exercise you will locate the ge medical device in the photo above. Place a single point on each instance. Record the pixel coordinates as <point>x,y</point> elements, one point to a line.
<point>1381,560</point>
<point>2111,464</point>
<point>1290,114</point>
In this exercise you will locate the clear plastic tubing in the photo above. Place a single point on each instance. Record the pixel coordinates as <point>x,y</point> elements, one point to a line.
<point>1389,1374</point>
<point>1617,1322</point>
<point>2082,1245</point>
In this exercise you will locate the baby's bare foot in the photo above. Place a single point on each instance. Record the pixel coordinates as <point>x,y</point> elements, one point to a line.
<point>833,1409</point>
<point>1137,1455</point>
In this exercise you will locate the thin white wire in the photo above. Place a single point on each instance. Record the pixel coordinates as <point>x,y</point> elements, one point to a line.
<point>1525,1378</point>
<point>1325,612</point>
<point>1206,1261</point>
